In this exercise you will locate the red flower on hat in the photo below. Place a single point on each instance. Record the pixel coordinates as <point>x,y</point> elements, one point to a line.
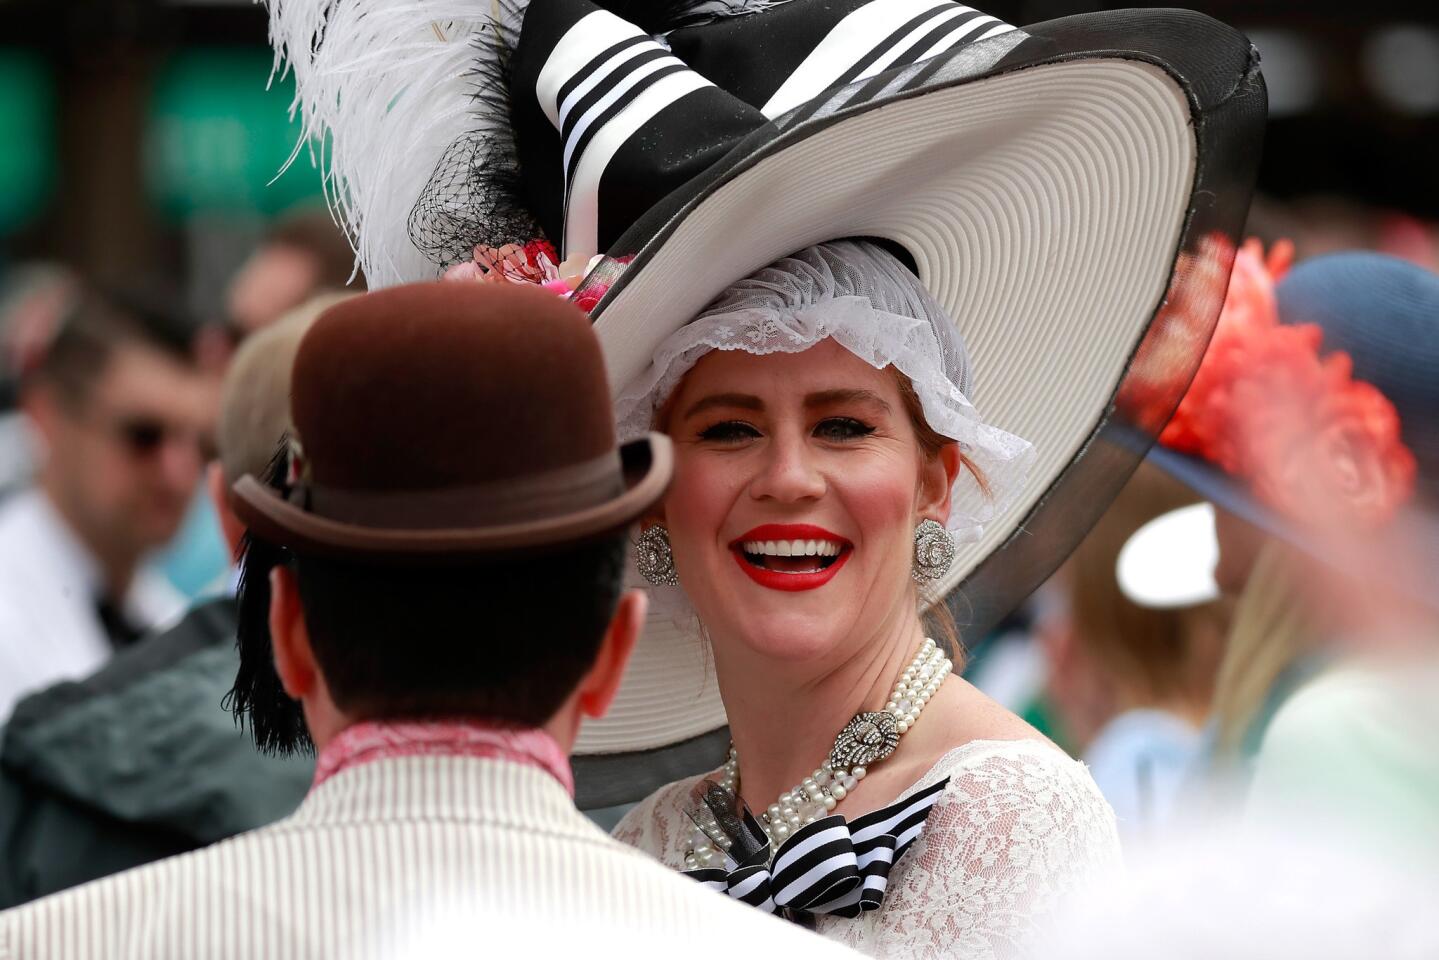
<point>1309,439</point>
<point>1164,359</point>
<point>534,263</point>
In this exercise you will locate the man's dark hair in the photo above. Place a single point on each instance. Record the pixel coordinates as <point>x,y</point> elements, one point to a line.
<point>507,639</point>
<point>101,322</point>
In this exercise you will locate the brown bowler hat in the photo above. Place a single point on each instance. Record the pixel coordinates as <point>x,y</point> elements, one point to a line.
<point>444,419</point>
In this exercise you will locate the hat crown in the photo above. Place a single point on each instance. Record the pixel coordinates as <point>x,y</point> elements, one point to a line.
<point>1384,313</point>
<point>609,120</point>
<point>444,386</point>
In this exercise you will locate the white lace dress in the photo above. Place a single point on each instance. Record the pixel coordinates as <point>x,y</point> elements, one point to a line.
<point>1017,827</point>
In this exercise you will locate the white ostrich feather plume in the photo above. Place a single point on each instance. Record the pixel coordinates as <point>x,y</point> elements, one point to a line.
<point>382,87</point>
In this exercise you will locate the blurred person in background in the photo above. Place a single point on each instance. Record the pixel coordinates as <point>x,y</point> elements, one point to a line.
<point>1155,661</point>
<point>122,417</point>
<point>1311,427</point>
<point>302,255</point>
<point>34,299</point>
<point>1354,749</point>
<point>1320,224</point>
<point>140,760</point>
<point>1217,445</point>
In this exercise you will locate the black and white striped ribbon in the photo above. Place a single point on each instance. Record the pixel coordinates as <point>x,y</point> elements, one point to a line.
<point>880,36</point>
<point>601,84</point>
<point>604,83</point>
<point>829,867</point>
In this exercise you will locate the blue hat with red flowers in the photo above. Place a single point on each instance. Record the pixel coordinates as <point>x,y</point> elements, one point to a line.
<point>1316,410</point>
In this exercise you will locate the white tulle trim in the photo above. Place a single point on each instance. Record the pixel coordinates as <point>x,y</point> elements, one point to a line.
<point>878,338</point>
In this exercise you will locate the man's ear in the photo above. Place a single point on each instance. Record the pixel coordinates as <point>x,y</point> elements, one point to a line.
<point>598,688</point>
<point>41,407</point>
<point>936,483</point>
<point>290,638</point>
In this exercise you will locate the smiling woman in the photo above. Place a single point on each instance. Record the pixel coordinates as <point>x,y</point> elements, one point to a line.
<point>825,454</point>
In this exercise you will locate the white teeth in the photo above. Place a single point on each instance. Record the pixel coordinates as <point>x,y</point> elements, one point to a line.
<point>792,548</point>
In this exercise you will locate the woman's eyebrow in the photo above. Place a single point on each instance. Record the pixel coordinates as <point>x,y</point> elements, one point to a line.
<point>825,398</point>
<point>743,401</point>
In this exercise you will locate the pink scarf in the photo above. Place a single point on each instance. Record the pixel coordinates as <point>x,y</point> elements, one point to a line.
<point>369,741</point>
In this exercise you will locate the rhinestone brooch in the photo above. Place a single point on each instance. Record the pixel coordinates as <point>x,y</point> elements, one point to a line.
<point>867,739</point>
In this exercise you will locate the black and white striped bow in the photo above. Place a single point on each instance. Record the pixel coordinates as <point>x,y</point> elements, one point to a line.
<point>831,866</point>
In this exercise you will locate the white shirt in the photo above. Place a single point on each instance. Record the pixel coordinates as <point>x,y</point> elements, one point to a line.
<point>402,859</point>
<point>17,452</point>
<point>49,585</point>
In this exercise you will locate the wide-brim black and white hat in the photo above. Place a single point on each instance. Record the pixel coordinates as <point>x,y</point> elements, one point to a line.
<point>1056,187</point>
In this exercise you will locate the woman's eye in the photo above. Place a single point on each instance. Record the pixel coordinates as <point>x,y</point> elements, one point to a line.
<point>841,429</point>
<point>730,431</point>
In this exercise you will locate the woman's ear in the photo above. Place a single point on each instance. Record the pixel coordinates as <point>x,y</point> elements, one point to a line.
<point>936,482</point>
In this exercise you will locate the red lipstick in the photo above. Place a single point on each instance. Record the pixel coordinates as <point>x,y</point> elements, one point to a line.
<point>779,579</point>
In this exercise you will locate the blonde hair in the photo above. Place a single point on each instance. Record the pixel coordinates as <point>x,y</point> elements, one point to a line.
<point>1269,631</point>
<point>255,397</point>
<point>1165,658</point>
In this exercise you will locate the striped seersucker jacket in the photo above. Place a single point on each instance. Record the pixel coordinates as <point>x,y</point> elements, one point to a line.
<point>409,857</point>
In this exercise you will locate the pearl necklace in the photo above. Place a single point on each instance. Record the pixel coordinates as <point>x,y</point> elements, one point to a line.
<point>869,738</point>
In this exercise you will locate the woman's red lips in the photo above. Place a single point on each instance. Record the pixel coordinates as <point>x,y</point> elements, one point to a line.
<point>765,552</point>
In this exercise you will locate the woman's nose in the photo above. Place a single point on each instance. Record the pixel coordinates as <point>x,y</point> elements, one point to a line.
<point>788,472</point>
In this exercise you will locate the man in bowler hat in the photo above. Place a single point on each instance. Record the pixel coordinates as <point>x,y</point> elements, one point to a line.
<point>431,600</point>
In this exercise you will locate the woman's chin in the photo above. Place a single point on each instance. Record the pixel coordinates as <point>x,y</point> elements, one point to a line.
<point>787,625</point>
<point>790,636</point>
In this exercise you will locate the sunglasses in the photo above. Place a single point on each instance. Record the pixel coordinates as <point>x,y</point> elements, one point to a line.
<point>143,437</point>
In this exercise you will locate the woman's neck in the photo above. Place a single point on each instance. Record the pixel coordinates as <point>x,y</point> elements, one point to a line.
<point>784,717</point>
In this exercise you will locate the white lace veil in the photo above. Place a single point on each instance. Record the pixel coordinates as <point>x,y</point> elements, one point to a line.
<point>860,295</point>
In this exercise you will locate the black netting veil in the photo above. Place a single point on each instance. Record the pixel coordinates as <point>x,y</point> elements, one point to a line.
<point>476,193</point>
<point>471,198</point>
